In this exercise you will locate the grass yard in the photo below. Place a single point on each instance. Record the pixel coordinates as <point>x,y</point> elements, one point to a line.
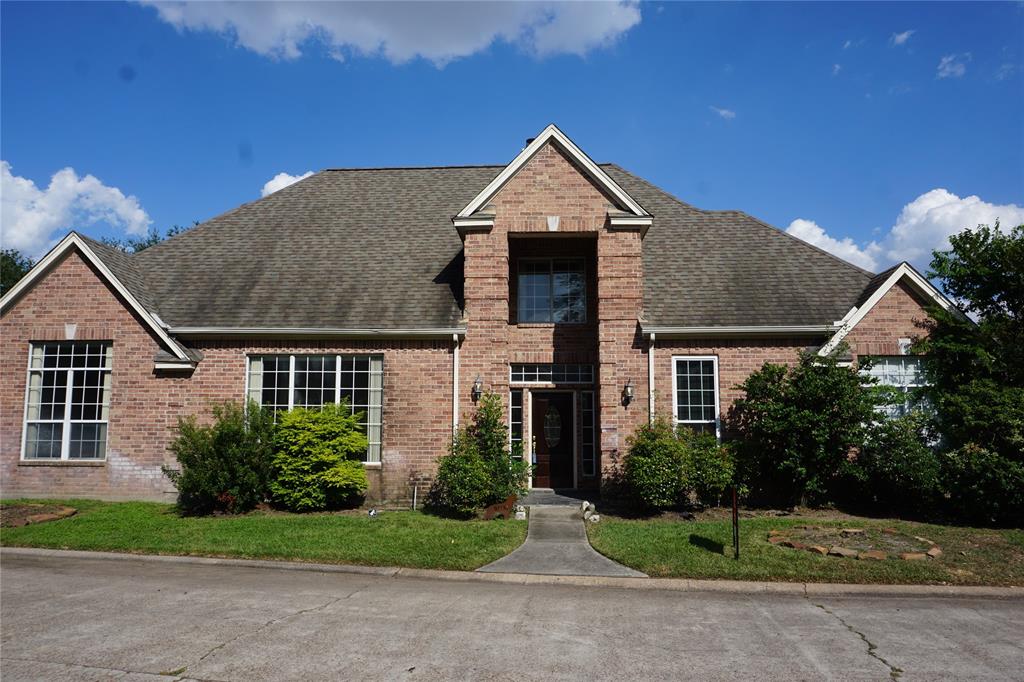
<point>399,538</point>
<point>703,549</point>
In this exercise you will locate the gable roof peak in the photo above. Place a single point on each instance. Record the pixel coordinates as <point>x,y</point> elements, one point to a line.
<point>553,135</point>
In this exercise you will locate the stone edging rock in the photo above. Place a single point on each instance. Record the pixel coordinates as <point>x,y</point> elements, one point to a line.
<point>775,537</point>
<point>61,513</point>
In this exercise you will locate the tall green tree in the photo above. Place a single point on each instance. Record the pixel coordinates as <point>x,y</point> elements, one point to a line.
<point>13,266</point>
<point>976,351</point>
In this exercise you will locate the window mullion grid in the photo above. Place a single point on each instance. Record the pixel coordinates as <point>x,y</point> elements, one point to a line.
<point>551,290</point>
<point>337,379</point>
<point>291,382</point>
<point>65,436</point>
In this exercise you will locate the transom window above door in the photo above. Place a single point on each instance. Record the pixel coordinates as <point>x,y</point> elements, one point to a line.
<point>552,290</point>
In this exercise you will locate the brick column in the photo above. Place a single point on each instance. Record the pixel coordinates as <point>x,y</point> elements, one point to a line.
<point>621,349</point>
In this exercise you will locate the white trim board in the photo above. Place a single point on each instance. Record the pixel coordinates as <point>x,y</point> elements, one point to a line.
<point>73,241</point>
<point>552,134</point>
<point>903,271</point>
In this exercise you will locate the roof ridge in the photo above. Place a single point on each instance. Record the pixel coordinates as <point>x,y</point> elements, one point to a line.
<point>376,168</point>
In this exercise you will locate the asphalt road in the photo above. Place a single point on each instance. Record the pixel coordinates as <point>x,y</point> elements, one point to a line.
<point>71,618</point>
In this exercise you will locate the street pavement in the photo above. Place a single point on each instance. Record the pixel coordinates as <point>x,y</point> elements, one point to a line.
<point>79,618</point>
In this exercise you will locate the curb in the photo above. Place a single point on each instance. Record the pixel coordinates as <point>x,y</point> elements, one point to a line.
<point>669,584</point>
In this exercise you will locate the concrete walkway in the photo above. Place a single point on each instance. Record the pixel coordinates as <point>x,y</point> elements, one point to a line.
<point>556,544</point>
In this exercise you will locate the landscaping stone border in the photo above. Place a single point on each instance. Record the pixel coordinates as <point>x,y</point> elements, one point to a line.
<point>62,513</point>
<point>777,538</point>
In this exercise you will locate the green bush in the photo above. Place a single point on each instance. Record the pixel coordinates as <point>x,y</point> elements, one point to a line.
<point>983,487</point>
<point>225,467</point>
<point>316,464</point>
<point>479,469</point>
<point>898,468</point>
<point>796,427</point>
<point>463,482</point>
<point>710,466</point>
<point>654,471</point>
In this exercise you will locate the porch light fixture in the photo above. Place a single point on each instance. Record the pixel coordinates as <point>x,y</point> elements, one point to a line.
<point>478,388</point>
<point>627,392</point>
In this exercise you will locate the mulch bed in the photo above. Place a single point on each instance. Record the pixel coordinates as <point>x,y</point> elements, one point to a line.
<point>17,515</point>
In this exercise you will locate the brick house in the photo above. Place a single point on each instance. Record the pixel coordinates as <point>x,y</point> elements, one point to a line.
<point>586,297</point>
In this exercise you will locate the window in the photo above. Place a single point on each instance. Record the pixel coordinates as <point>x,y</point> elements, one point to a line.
<point>68,401</point>
<point>695,384</point>
<point>552,290</point>
<point>515,420</point>
<point>904,373</point>
<point>587,450</point>
<point>282,382</point>
<point>552,374</point>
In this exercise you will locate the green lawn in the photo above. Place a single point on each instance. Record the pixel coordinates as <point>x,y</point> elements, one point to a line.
<point>703,549</point>
<point>400,538</point>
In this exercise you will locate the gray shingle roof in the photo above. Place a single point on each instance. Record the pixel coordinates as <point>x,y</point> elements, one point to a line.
<point>375,248</point>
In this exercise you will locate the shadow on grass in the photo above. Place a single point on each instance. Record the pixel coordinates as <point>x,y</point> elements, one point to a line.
<point>710,545</point>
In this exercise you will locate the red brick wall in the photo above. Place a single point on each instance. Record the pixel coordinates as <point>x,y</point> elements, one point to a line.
<point>896,316</point>
<point>145,406</point>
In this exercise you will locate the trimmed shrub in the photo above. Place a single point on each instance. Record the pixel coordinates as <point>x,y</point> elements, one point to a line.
<point>983,487</point>
<point>654,471</point>
<point>898,469</point>
<point>711,467</point>
<point>463,482</point>
<point>479,468</point>
<point>225,467</point>
<point>316,464</point>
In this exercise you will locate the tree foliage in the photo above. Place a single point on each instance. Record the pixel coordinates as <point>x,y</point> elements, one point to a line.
<point>976,366</point>
<point>132,244</point>
<point>13,266</point>
<point>797,426</point>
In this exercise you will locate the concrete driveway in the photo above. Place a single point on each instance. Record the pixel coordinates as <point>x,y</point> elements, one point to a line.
<point>71,618</point>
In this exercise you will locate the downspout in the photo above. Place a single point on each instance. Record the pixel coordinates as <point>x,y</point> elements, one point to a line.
<point>650,378</point>
<point>455,383</point>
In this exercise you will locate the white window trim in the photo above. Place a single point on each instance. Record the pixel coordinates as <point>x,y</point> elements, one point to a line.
<point>370,463</point>
<point>67,421</point>
<point>675,393</point>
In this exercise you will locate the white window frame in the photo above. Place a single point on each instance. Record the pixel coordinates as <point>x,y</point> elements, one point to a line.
<point>376,461</point>
<point>675,393</point>
<point>901,409</point>
<point>540,382</point>
<point>66,421</point>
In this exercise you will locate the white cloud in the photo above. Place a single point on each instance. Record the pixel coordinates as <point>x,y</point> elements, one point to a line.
<point>727,114</point>
<point>953,65</point>
<point>847,249</point>
<point>280,181</point>
<point>401,31</point>
<point>836,68</point>
<point>923,225</point>
<point>1005,71</point>
<point>901,38</point>
<point>31,218</point>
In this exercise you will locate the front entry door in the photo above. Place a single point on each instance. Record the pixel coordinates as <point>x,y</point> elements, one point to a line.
<point>553,429</point>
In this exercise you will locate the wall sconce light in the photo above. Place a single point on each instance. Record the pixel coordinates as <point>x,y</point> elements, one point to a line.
<point>478,388</point>
<point>627,392</point>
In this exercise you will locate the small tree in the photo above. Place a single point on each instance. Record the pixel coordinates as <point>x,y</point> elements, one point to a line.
<point>316,464</point>
<point>797,426</point>
<point>480,467</point>
<point>225,467</point>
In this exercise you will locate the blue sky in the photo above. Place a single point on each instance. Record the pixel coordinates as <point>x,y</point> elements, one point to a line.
<point>888,126</point>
